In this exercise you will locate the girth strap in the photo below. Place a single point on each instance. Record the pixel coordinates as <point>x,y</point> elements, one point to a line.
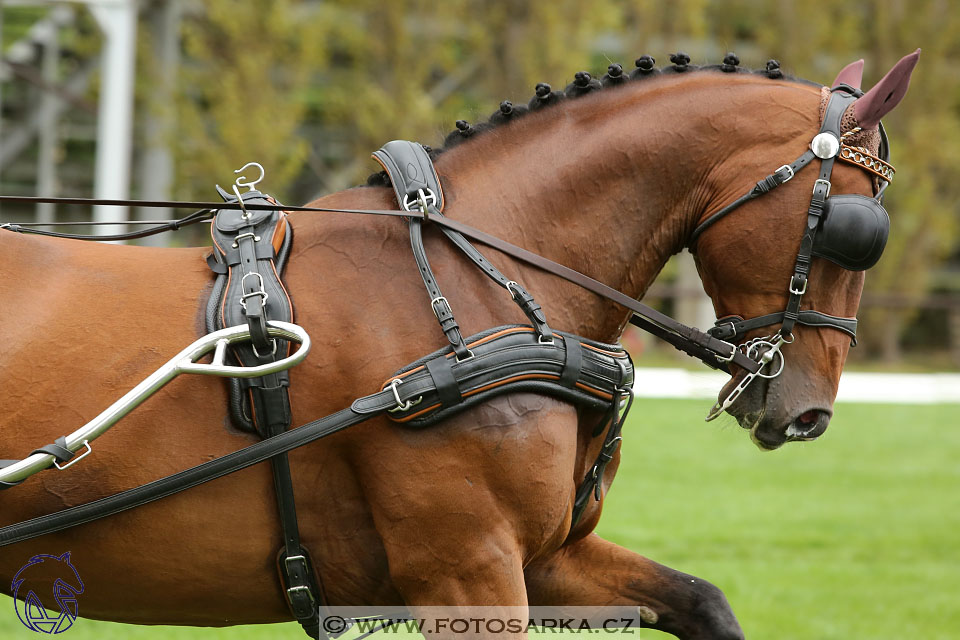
<point>248,247</point>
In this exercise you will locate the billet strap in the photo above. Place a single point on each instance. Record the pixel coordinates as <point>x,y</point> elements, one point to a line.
<point>438,303</point>
<point>604,370</point>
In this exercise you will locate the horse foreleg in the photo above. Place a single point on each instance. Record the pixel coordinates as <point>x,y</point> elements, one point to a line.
<point>592,572</point>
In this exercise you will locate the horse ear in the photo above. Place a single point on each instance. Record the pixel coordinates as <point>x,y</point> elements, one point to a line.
<point>886,94</point>
<point>852,74</point>
<point>65,557</point>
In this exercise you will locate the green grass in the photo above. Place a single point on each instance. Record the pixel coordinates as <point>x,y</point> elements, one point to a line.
<point>856,536</point>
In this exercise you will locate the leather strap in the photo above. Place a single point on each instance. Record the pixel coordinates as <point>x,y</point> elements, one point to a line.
<point>58,450</point>
<point>438,303</point>
<point>732,328</point>
<point>413,186</point>
<point>505,356</point>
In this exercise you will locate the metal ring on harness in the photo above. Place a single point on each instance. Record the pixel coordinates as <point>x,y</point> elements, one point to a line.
<point>424,198</point>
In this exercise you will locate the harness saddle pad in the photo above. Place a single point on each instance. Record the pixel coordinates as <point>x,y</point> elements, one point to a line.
<point>250,251</point>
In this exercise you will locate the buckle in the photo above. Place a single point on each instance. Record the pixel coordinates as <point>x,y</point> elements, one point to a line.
<point>733,352</point>
<point>236,241</point>
<point>787,168</point>
<point>821,181</point>
<point>794,288</point>
<point>515,293</point>
<point>293,592</point>
<point>253,294</point>
<point>302,560</point>
<point>445,307</point>
<point>402,405</point>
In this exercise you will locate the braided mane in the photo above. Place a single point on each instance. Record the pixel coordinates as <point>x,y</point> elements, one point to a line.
<point>583,84</point>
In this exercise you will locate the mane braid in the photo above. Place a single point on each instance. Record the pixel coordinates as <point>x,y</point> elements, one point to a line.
<point>584,84</point>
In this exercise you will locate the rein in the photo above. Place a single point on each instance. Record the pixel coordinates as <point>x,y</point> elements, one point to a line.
<point>713,352</point>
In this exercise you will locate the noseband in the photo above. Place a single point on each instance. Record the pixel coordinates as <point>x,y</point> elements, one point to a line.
<point>850,230</point>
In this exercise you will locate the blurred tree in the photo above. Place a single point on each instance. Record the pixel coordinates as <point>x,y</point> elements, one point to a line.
<point>240,94</point>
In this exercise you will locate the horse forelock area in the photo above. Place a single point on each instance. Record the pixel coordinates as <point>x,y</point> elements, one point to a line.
<point>465,133</point>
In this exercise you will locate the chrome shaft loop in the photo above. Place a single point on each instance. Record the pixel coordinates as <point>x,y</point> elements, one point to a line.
<point>183,362</point>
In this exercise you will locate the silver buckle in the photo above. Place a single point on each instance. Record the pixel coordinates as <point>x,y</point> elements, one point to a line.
<point>401,405</point>
<point>795,291</point>
<point>824,182</point>
<point>261,293</point>
<point>433,306</point>
<point>293,590</point>
<point>789,169</point>
<point>236,241</point>
<point>733,352</point>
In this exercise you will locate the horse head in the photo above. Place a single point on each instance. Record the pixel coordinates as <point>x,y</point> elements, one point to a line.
<point>801,248</point>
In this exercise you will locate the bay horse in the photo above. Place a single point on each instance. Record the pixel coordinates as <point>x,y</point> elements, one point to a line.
<point>476,510</point>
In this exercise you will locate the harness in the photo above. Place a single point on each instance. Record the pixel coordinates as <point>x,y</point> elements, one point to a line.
<point>252,240</point>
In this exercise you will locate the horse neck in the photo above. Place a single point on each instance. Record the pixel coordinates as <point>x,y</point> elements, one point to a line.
<point>611,184</point>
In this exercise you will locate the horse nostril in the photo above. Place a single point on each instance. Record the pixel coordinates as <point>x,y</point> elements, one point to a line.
<point>809,425</point>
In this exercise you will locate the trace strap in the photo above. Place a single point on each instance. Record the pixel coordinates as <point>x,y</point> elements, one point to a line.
<point>713,352</point>
<point>507,359</point>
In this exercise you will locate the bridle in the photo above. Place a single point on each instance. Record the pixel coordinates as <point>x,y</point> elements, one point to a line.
<point>831,221</point>
<point>718,347</point>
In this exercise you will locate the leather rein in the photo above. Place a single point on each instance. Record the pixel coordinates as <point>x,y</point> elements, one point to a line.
<point>713,352</point>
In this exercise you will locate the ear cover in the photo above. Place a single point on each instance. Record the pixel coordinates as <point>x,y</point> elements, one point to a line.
<point>886,94</point>
<point>852,74</point>
<point>853,232</point>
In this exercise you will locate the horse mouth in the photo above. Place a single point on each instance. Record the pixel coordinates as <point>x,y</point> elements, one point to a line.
<point>770,431</point>
<point>768,435</point>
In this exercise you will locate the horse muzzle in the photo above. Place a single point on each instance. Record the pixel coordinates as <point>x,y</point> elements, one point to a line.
<point>809,425</point>
<point>761,410</point>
